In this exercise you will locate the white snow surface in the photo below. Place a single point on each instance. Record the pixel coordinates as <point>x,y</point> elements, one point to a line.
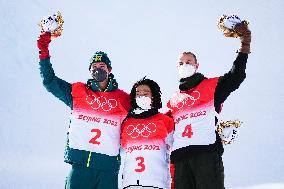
<point>264,186</point>
<point>142,37</point>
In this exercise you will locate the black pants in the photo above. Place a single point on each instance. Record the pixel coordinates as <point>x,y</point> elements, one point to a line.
<point>200,171</point>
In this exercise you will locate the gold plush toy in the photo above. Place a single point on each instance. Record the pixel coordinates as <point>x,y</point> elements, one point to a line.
<point>227,23</point>
<point>53,24</point>
<point>228,131</point>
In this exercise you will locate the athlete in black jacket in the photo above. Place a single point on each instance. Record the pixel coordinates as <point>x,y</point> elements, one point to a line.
<point>226,84</point>
<point>201,166</point>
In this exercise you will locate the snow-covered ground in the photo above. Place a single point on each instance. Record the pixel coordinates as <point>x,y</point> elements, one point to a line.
<point>142,37</point>
<point>264,186</point>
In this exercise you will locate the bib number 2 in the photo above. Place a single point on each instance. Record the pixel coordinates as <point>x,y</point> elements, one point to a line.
<point>94,140</point>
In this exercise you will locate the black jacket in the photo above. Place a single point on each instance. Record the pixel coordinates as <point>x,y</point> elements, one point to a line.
<point>226,84</point>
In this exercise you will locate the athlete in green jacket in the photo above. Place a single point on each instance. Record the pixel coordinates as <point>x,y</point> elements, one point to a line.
<point>98,108</point>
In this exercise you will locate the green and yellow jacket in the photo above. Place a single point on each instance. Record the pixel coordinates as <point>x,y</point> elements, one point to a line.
<point>93,137</point>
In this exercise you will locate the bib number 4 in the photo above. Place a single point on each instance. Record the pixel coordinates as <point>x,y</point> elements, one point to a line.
<point>187,132</point>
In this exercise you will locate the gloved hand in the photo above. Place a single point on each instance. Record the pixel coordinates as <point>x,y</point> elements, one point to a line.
<point>169,114</point>
<point>42,44</point>
<point>245,36</point>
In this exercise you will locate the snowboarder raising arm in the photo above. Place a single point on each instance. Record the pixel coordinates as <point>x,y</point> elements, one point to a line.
<point>58,87</point>
<point>98,108</point>
<point>197,148</point>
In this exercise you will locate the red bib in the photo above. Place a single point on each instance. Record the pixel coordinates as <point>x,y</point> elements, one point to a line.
<point>194,115</point>
<point>96,120</point>
<point>146,143</point>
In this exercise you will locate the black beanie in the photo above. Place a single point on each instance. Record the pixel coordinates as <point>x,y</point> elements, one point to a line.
<point>100,56</point>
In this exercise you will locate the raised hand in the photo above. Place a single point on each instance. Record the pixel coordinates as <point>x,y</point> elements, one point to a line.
<point>245,36</point>
<point>43,44</point>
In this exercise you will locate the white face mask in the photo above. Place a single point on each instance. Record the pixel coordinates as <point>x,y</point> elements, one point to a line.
<point>186,70</point>
<point>144,102</point>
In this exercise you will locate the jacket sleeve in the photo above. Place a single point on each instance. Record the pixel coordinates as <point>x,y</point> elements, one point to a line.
<point>230,81</point>
<point>169,122</point>
<point>125,102</point>
<point>58,87</point>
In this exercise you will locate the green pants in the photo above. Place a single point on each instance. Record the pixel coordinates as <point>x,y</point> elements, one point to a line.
<point>81,177</point>
<point>200,171</point>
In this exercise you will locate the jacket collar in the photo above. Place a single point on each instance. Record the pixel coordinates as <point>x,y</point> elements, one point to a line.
<point>145,114</point>
<point>190,82</point>
<point>142,115</point>
<point>112,84</point>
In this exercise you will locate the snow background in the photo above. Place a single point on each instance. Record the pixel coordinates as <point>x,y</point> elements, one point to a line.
<point>141,38</point>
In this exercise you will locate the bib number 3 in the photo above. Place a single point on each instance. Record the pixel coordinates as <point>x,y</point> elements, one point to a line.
<point>141,164</point>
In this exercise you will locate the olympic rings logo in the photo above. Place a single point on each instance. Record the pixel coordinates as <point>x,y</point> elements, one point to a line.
<point>101,102</point>
<point>141,130</point>
<point>189,100</point>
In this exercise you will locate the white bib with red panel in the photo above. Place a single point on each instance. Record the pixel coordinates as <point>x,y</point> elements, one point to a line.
<point>194,115</point>
<point>148,163</point>
<point>95,120</point>
<point>146,153</point>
